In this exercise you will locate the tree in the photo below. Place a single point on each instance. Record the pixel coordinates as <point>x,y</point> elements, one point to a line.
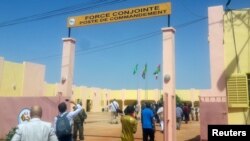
<point>178,100</point>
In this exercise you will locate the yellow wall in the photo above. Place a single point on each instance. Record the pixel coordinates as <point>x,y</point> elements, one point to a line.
<point>241,30</point>
<point>1,70</point>
<point>16,79</point>
<point>238,116</point>
<point>188,95</point>
<point>12,79</point>
<point>131,94</point>
<point>242,40</point>
<point>115,94</point>
<point>77,93</point>
<point>13,74</point>
<point>88,93</point>
<point>50,90</point>
<point>184,95</point>
<point>103,95</point>
<point>152,95</point>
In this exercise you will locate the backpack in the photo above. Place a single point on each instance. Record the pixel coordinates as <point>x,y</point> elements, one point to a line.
<point>63,127</point>
<point>83,115</point>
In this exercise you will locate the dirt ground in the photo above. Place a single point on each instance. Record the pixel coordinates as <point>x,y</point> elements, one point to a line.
<point>98,128</point>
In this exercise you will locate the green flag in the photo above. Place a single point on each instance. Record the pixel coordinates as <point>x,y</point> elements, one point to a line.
<point>135,69</point>
<point>144,72</point>
<point>157,71</point>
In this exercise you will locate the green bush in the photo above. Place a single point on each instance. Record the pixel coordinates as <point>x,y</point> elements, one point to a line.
<point>11,134</point>
<point>178,100</point>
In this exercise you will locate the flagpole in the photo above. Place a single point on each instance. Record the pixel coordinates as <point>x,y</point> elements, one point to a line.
<point>144,75</point>
<point>137,83</point>
<point>138,101</point>
<point>146,85</point>
<point>157,71</point>
<point>159,89</point>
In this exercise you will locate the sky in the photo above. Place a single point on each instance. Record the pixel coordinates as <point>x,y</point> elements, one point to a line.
<point>106,54</point>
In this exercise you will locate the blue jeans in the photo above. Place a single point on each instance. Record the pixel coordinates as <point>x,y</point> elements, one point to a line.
<point>65,138</point>
<point>147,132</point>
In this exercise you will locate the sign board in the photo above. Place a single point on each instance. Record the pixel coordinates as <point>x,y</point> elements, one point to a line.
<point>120,15</point>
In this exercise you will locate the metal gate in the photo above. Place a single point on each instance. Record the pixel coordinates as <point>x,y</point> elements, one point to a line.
<point>214,112</point>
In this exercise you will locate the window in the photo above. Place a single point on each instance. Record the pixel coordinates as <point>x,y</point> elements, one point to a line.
<point>237,91</point>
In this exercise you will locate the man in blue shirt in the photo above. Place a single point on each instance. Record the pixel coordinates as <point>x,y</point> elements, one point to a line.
<point>179,114</point>
<point>148,126</point>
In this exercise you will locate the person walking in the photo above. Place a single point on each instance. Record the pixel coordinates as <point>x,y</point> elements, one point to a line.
<point>148,125</point>
<point>192,113</point>
<point>35,129</point>
<point>78,124</point>
<point>63,122</point>
<point>197,113</point>
<point>186,112</point>
<point>160,115</point>
<point>114,107</point>
<point>137,110</point>
<point>129,124</point>
<point>179,114</point>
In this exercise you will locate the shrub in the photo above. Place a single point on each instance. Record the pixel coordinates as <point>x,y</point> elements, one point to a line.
<point>11,134</point>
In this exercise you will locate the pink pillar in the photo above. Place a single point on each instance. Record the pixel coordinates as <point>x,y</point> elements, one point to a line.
<point>217,67</point>
<point>169,88</point>
<point>67,69</point>
<point>1,69</point>
<point>216,96</point>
